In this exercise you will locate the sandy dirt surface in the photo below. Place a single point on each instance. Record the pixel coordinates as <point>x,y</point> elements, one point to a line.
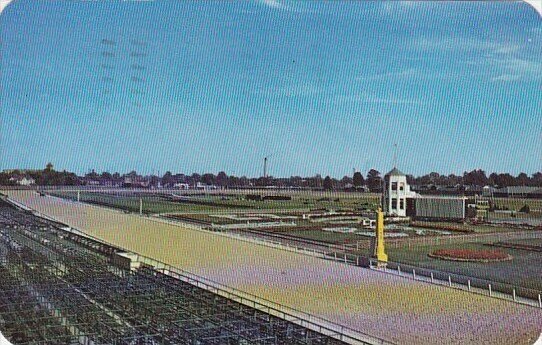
<point>391,307</point>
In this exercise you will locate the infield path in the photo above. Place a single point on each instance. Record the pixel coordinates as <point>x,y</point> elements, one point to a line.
<point>394,308</point>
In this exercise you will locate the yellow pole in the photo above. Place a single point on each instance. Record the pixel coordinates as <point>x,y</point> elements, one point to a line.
<point>380,254</point>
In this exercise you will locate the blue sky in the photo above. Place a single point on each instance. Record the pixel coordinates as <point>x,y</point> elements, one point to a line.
<point>323,87</point>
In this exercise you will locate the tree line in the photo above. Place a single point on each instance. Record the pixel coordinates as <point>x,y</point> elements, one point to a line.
<point>372,181</point>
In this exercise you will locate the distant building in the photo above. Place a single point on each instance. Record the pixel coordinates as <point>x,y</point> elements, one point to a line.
<point>440,208</point>
<point>23,180</point>
<point>396,193</point>
<point>488,191</point>
<point>181,185</point>
<point>400,201</point>
<point>518,192</point>
<point>202,186</point>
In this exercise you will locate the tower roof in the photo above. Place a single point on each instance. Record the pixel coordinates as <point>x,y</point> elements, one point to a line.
<point>395,172</point>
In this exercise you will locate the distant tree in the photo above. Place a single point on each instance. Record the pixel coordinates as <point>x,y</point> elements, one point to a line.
<point>222,179</point>
<point>49,167</point>
<point>453,180</point>
<point>233,181</point>
<point>523,179</point>
<point>493,178</point>
<point>5,179</point>
<point>502,180</point>
<point>374,181</point>
<point>208,179</point>
<point>168,180</point>
<point>92,174</point>
<point>358,179</point>
<point>345,182</point>
<point>106,175</point>
<point>244,181</point>
<point>424,180</point>
<point>476,178</point>
<point>434,177</point>
<point>328,184</point>
<point>536,179</point>
<point>315,181</point>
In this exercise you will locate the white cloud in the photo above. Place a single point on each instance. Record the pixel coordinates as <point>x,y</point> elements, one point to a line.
<point>294,90</point>
<point>506,77</point>
<point>274,4</point>
<point>393,7</point>
<point>464,45</point>
<point>372,98</point>
<point>290,6</point>
<point>498,61</point>
<point>516,69</point>
<point>405,74</point>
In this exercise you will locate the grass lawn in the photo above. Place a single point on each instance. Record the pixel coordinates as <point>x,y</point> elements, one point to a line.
<point>530,241</point>
<point>220,204</point>
<point>525,269</point>
<point>326,236</point>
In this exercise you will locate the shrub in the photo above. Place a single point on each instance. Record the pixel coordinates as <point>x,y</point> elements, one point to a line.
<point>525,209</point>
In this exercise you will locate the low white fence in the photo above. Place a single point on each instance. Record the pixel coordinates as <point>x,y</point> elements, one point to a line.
<point>489,288</point>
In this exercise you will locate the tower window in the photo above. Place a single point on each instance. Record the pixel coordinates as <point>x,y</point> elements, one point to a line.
<point>393,203</point>
<point>394,186</point>
<point>402,204</point>
<point>401,186</point>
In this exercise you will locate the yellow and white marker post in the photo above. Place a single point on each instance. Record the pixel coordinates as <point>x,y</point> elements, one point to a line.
<point>380,250</point>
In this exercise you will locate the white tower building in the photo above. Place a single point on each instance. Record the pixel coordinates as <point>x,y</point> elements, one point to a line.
<point>396,193</point>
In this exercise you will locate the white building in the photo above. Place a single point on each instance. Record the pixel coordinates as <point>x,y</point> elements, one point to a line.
<point>396,193</point>
<point>23,180</point>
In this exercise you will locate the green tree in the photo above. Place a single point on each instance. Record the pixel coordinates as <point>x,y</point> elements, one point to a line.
<point>328,184</point>
<point>374,181</point>
<point>358,179</point>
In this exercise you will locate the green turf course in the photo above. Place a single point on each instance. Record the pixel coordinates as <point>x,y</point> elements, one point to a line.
<point>525,269</point>
<point>218,204</point>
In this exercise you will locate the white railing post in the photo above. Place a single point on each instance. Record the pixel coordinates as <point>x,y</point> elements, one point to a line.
<point>539,301</point>
<point>489,286</point>
<point>432,278</point>
<point>514,294</point>
<point>450,280</point>
<point>468,283</point>
<point>414,273</point>
<point>399,269</point>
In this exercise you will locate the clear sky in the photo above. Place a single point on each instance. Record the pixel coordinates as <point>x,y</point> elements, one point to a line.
<point>323,87</point>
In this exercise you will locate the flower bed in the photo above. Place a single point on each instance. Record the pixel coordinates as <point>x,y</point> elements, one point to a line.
<point>470,255</point>
<point>446,227</point>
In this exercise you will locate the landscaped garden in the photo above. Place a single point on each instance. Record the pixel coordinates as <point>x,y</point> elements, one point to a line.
<point>470,255</point>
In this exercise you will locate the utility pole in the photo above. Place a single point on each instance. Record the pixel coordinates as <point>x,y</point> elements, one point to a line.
<point>265,167</point>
